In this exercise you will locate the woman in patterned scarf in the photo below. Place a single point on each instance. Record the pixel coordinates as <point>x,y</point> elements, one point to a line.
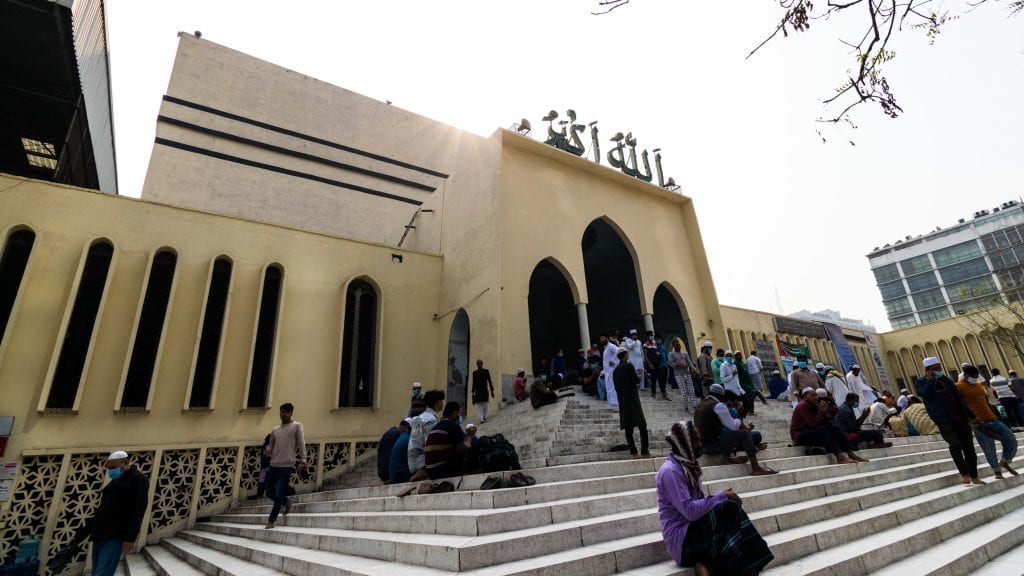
<point>709,533</point>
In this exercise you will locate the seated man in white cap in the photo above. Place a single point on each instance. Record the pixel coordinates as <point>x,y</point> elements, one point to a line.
<point>711,417</point>
<point>904,400</point>
<point>114,527</point>
<point>812,428</point>
<point>777,386</point>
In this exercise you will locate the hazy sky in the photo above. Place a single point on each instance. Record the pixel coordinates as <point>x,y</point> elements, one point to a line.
<point>779,209</point>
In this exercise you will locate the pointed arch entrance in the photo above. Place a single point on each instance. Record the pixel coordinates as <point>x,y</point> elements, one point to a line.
<point>670,317</point>
<point>612,283</point>
<point>458,359</point>
<point>554,324</point>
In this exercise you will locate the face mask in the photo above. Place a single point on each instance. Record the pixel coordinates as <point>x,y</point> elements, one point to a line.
<point>459,421</point>
<point>975,380</point>
<point>802,364</point>
<point>115,473</point>
<point>938,374</point>
<point>729,360</point>
<point>855,406</point>
<point>543,377</point>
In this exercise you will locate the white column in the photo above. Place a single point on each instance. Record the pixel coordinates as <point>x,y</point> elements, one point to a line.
<point>648,323</point>
<point>581,311</point>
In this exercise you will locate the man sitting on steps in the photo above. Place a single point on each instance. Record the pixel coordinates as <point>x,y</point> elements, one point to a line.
<point>810,427</point>
<point>710,416</point>
<point>850,423</point>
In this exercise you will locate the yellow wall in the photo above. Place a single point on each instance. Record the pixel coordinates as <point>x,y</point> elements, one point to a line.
<point>306,368</point>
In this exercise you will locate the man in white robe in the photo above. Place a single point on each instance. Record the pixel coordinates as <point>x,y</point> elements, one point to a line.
<point>858,384</point>
<point>836,386</point>
<point>610,361</point>
<point>636,354</point>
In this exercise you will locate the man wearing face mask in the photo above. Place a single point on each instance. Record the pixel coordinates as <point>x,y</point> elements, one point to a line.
<point>730,375</point>
<point>803,377</point>
<point>115,526</point>
<point>951,414</point>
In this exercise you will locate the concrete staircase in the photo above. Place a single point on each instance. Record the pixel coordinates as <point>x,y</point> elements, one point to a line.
<point>593,511</point>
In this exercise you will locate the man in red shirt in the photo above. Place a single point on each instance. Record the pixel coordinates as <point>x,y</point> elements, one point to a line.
<point>811,427</point>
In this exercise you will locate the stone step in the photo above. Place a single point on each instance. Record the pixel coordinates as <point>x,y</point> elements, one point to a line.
<point>210,560</point>
<point>136,565</point>
<point>859,544</point>
<point>166,563</point>
<point>1009,564</point>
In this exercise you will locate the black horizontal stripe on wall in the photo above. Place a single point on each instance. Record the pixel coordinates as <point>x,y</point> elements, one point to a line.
<point>286,171</point>
<point>293,133</point>
<point>293,153</point>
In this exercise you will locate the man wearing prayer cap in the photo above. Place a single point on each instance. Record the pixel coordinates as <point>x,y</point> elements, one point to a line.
<point>946,407</point>
<point>857,384</point>
<point>904,400</point>
<point>115,526</point>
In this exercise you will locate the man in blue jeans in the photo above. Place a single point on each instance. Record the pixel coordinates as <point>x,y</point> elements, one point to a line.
<point>115,526</point>
<point>287,444</point>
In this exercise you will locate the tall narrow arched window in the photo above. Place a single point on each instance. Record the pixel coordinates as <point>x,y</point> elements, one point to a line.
<point>77,338</point>
<point>149,330</point>
<point>210,339</point>
<point>266,335</point>
<point>12,270</point>
<point>359,346</point>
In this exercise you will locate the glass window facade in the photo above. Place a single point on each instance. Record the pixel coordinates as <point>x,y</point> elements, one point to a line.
<point>892,290</point>
<point>958,253</point>
<point>886,274</point>
<point>903,322</point>
<point>897,307</point>
<point>929,299</point>
<point>963,271</point>
<point>916,265</point>
<point>970,289</point>
<point>934,314</point>
<point>922,281</point>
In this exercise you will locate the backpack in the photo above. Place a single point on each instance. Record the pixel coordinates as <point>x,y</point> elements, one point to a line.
<point>497,454</point>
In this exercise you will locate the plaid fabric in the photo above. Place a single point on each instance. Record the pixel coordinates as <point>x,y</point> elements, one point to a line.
<point>725,541</point>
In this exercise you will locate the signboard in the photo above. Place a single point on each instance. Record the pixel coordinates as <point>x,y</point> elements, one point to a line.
<point>766,352</point>
<point>5,490</point>
<point>883,376</point>
<point>799,327</point>
<point>846,355</point>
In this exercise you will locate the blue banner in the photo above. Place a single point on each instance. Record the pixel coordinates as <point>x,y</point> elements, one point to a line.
<point>846,356</point>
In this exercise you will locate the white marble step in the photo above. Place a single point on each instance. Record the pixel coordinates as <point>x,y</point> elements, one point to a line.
<point>967,553</point>
<point>214,562</point>
<point>1008,564</point>
<point>136,565</point>
<point>167,564</point>
<point>825,548</point>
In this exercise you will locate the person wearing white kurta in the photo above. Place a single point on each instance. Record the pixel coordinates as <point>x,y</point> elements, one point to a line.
<point>730,375</point>
<point>636,354</point>
<point>857,384</point>
<point>610,362</point>
<point>836,386</point>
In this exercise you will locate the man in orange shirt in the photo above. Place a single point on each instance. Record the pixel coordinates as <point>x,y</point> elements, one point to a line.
<point>987,427</point>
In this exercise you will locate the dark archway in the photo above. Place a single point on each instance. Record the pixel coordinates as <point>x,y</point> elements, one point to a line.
<point>670,317</point>
<point>457,371</point>
<point>554,323</point>
<point>612,287</point>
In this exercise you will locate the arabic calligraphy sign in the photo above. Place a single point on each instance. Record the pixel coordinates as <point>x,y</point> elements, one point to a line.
<point>622,156</point>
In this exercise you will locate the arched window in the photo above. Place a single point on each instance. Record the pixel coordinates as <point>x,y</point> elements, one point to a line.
<point>12,270</point>
<point>149,331</point>
<point>359,346</point>
<point>77,338</point>
<point>266,336</point>
<point>210,337</point>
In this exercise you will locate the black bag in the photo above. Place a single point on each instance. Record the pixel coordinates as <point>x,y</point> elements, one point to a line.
<point>497,454</point>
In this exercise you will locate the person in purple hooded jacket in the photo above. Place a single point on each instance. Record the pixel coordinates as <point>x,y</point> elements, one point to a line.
<point>709,533</point>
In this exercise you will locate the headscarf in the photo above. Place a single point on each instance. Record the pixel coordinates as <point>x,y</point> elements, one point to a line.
<point>685,444</point>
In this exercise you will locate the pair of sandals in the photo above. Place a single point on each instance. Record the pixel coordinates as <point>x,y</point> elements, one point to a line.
<point>427,488</point>
<point>515,480</point>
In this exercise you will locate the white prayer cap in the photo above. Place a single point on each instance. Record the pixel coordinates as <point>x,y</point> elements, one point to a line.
<point>965,364</point>
<point>857,366</point>
<point>822,393</point>
<point>118,455</point>
<point>904,391</point>
<point>776,372</point>
<point>728,352</point>
<point>417,385</point>
<point>931,361</point>
<point>819,366</point>
<point>707,344</point>
<point>806,390</point>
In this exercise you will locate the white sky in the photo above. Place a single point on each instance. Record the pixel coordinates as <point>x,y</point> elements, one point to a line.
<point>778,208</point>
